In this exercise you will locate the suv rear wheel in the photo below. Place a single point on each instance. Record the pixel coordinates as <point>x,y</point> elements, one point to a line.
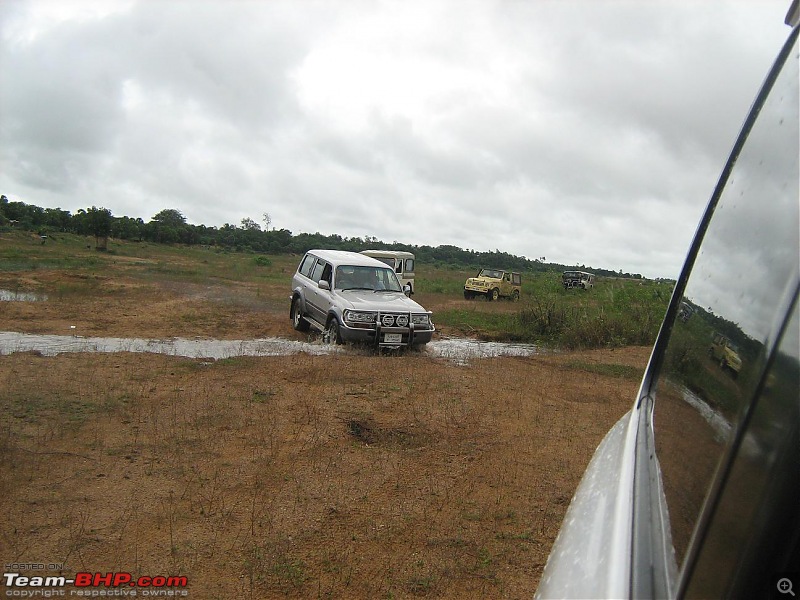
<point>299,323</point>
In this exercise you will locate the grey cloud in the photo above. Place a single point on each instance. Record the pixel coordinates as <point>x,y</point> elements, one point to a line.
<point>614,114</point>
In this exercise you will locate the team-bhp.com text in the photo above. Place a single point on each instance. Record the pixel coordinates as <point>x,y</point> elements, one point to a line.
<point>94,585</point>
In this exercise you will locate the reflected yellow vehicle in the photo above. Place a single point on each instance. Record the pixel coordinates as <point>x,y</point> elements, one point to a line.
<point>725,352</point>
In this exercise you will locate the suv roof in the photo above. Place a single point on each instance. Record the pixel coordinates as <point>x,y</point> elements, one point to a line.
<point>345,257</point>
<point>388,253</point>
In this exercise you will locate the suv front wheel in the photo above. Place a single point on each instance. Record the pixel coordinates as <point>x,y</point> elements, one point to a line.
<point>331,334</point>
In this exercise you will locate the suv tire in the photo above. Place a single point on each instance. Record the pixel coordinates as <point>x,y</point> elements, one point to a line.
<point>331,334</point>
<point>299,323</point>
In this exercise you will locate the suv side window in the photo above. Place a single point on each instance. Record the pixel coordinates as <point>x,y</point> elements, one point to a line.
<point>326,273</point>
<point>316,274</point>
<point>409,265</point>
<point>307,265</point>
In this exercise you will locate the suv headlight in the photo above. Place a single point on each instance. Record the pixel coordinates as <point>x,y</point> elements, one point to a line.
<point>420,319</point>
<point>359,317</point>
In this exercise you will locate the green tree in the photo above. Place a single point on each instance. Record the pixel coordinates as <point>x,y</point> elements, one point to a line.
<point>170,217</point>
<point>126,228</point>
<point>250,225</point>
<point>57,219</point>
<point>167,227</point>
<point>98,221</point>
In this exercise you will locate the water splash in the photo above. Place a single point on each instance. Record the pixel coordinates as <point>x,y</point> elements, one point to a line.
<point>459,350</point>
<point>9,296</point>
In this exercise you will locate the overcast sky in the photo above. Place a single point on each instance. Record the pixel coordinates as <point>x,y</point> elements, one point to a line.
<point>584,132</point>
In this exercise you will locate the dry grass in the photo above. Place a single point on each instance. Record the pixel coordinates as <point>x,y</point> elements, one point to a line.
<point>330,476</point>
<point>343,476</point>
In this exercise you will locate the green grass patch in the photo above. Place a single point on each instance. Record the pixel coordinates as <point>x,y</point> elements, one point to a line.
<point>615,313</point>
<point>607,370</point>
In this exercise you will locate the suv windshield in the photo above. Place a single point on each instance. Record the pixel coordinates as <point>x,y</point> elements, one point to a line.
<point>491,273</point>
<point>366,278</point>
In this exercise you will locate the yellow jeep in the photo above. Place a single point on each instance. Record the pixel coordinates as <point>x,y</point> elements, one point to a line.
<point>493,284</point>
<point>725,352</point>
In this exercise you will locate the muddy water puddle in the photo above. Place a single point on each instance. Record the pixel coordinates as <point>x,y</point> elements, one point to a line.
<point>461,350</point>
<point>9,296</point>
<point>458,350</point>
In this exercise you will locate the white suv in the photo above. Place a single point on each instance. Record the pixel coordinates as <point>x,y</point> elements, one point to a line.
<point>350,297</point>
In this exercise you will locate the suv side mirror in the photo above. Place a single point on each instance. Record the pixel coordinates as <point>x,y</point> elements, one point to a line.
<point>324,285</point>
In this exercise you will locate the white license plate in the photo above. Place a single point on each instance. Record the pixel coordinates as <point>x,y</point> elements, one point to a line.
<point>393,338</point>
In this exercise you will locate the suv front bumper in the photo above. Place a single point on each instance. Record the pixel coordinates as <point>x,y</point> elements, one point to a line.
<point>386,337</point>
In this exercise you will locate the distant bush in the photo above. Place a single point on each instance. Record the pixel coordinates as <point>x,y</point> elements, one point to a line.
<point>262,261</point>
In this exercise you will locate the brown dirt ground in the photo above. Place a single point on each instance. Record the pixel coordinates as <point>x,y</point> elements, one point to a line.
<point>344,476</point>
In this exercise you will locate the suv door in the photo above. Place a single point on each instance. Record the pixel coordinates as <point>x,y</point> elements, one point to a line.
<point>318,299</point>
<point>505,286</point>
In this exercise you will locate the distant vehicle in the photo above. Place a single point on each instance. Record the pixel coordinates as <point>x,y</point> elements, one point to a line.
<point>350,297</point>
<point>694,492</point>
<point>726,353</point>
<point>577,279</point>
<point>493,284</point>
<point>402,263</point>
<point>685,312</point>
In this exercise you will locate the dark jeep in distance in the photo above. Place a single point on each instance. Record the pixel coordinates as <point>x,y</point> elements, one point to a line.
<point>577,279</point>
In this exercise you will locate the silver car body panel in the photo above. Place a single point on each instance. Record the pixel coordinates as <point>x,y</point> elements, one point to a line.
<point>590,542</point>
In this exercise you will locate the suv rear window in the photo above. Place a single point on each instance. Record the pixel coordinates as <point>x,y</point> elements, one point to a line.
<point>316,274</point>
<point>307,264</point>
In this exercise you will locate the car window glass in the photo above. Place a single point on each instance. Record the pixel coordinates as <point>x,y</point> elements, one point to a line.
<point>316,274</point>
<point>307,265</point>
<point>386,280</point>
<point>715,358</point>
<point>757,464</point>
<point>326,273</point>
<point>409,265</point>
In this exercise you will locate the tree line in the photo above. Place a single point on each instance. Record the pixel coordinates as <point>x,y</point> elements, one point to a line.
<point>169,226</point>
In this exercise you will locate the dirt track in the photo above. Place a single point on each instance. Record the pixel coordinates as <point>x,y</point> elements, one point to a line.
<point>339,476</point>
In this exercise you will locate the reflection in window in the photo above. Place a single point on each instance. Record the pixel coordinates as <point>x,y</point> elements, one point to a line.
<point>716,355</point>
